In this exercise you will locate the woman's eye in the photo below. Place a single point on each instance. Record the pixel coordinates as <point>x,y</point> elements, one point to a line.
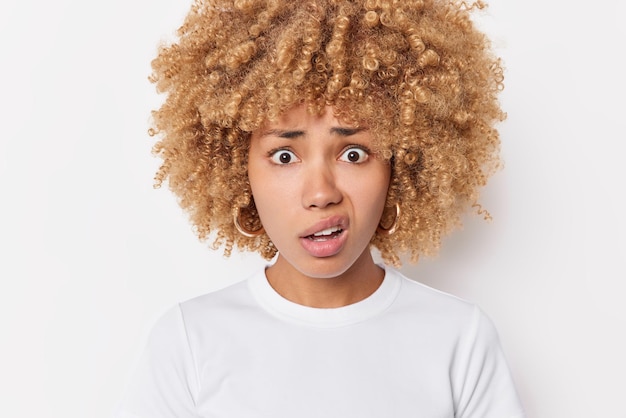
<point>354,155</point>
<point>283,157</point>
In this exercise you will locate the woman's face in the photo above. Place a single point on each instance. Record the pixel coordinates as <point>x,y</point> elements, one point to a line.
<point>319,191</point>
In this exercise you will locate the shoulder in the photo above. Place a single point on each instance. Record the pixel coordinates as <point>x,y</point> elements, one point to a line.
<point>427,300</point>
<point>236,293</point>
<point>441,311</point>
<point>219,304</point>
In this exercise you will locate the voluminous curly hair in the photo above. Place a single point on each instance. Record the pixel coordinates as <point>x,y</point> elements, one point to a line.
<point>417,73</point>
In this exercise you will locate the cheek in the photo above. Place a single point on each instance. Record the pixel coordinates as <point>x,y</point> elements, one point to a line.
<point>380,184</point>
<point>370,193</point>
<point>382,189</point>
<point>270,194</point>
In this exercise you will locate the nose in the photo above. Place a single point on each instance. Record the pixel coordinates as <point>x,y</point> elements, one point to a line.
<point>319,187</point>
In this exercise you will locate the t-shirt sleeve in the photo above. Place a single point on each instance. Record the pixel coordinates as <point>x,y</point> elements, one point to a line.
<point>165,382</point>
<point>481,380</point>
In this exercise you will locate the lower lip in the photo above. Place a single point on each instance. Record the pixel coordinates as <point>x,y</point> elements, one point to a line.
<point>324,248</point>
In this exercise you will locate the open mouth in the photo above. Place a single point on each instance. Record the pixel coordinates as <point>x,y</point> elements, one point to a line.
<point>326,234</point>
<point>326,238</point>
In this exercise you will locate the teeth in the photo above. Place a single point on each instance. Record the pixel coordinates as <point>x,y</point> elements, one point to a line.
<point>328,231</point>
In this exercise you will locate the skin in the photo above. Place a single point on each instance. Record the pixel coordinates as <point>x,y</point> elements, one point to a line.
<point>309,173</point>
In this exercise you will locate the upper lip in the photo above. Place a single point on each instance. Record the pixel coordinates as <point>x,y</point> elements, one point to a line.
<point>331,221</point>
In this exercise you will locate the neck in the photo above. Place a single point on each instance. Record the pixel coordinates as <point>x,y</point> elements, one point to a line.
<point>361,279</point>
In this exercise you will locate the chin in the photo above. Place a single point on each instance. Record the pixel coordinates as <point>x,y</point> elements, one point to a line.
<point>325,268</point>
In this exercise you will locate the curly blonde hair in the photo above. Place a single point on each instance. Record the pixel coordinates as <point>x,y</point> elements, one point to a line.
<point>417,73</point>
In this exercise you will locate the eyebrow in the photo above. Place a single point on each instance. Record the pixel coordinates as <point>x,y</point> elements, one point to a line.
<point>292,134</point>
<point>347,131</point>
<point>283,133</point>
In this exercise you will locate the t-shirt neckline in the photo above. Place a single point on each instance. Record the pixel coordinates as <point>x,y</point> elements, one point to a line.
<point>289,311</point>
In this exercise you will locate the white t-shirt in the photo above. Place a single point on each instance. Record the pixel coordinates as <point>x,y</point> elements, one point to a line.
<point>246,352</point>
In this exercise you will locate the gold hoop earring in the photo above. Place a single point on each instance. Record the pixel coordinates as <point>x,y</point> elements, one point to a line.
<point>388,231</point>
<point>241,229</point>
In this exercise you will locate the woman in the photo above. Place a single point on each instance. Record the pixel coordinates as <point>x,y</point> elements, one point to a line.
<point>310,132</point>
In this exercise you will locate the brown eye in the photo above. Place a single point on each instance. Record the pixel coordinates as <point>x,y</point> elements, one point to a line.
<point>354,155</point>
<point>283,157</point>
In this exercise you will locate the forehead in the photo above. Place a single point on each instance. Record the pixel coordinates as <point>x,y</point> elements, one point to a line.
<point>343,121</point>
<point>302,114</point>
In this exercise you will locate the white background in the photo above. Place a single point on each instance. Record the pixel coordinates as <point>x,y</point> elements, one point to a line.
<point>91,254</point>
